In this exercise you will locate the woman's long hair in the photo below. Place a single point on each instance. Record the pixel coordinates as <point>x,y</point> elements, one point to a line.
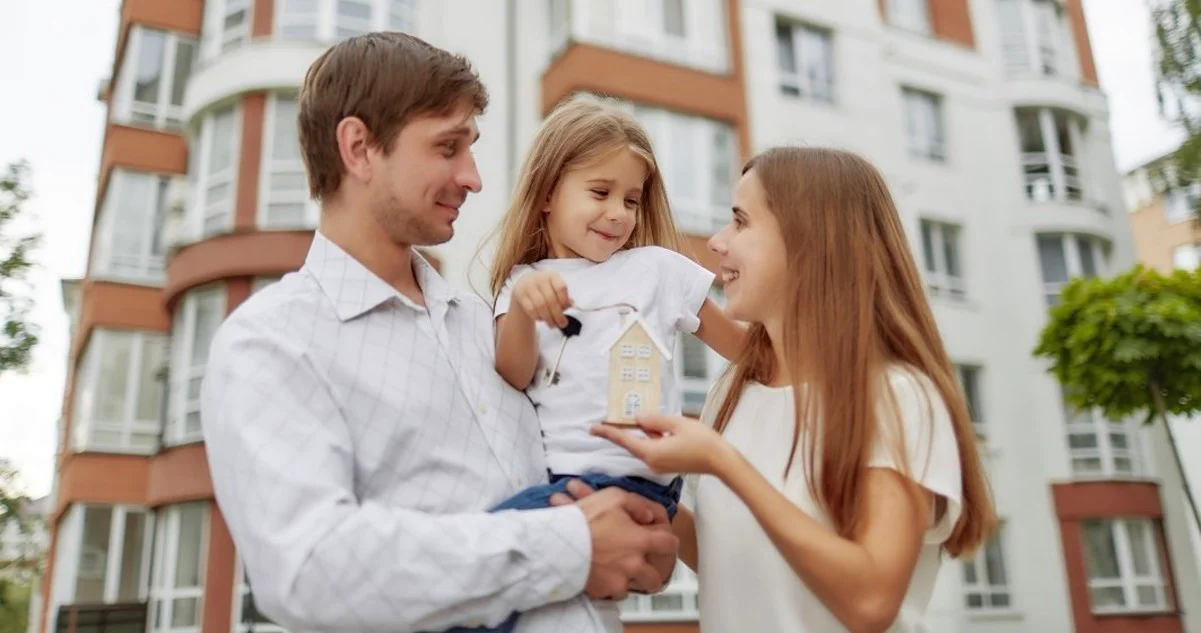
<point>855,306</point>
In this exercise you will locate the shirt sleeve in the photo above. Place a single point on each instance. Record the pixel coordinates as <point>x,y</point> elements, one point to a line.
<point>505,297</point>
<point>282,460</point>
<point>685,285</point>
<point>928,440</point>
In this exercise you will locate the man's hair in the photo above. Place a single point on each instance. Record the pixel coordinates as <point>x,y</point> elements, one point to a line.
<point>385,79</point>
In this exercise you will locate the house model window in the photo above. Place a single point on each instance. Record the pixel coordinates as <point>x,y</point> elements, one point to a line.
<point>633,351</point>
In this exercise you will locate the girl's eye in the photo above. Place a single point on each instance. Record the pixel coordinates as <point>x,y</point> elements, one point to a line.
<point>601,192</point>
<point>632,203</point>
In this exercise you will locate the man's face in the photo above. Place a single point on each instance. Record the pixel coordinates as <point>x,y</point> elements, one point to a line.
<point>417,189</point>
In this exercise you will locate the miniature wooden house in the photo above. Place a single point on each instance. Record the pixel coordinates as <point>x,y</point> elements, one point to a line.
<point>635,372</point>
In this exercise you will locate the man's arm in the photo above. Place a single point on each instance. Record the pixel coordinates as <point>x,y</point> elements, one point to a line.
<point>283,466</point>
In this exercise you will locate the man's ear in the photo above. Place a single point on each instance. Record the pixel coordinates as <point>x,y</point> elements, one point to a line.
<point>354,148</point>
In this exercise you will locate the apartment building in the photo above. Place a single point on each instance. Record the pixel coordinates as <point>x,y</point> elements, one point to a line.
<point>984,115</point>
<point>1163,216</point>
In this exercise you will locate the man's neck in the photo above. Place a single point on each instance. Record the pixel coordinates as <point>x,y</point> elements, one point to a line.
<point>365,241</point>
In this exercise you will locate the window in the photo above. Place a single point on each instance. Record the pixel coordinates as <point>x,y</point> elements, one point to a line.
<point>1034,37</point>
<point>940,252</point>
<point>627,350</point>
<point>924,125</point>
<point>246,615</point>
<point>911,15</point>
<point>1187,257</point>
<point>154,72</point>
<point>687,32</point>
<point>1099,447</point>
<point>181,543</point>
<point>226,26</point>
<point>985,581</point>
<point>1180,203</point>
<point>627,373</point>
<point>969,382</point>
<point>1066,256</point>
<point>196,319</point>
<point>285,201</point>
<point>678,602</point>
<point>118,395</point>
<point>644,374</point>
<point>698,158</point>
<point>129,245</point>
<point>644,351</point>
<point>806,60</point>
<point>214,168</point>
<point>633,404</point>
<point>1050,142</point>
<point>106,554</point>
<point>1123,560</point>
<point>333,20</point>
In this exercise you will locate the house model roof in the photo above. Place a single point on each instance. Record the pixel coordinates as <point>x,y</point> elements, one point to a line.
<point>635,319</point>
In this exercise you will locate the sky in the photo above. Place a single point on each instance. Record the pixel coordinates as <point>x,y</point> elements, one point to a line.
<point>49,115</point>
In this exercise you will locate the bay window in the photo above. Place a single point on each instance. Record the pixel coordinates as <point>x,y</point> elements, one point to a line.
<point>924,126</point>
<point>1035,38</point>
<point>1064,256</point>
<point>105,554</point>
<point>1051,145</point>
<point>180,555</point>
<point>940,255</point>
<point>197,317</point>
<point>1101,447</point>
<point>678,602</point>
<point>154,72</point>
<point>806,61</point>
<point>213,173</point>
<point>1123,561</point>
<point>129,245</point>
<point>698,159</point>
<point>118,395</point>
<point>334,20</point>
<point>283,185</point>
<point>226,26</point>
<point>985,579</point>
<point>688,32</point>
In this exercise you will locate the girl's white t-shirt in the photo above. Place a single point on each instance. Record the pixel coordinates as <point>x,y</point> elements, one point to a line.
<point>745,583</point>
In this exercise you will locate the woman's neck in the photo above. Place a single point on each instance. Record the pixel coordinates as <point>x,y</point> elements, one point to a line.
<point>781,377</point>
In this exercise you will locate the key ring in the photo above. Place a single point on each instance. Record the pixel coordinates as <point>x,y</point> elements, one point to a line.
<point>573,329</point>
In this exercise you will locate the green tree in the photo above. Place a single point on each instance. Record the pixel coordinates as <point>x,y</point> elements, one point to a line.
<point>1130,345</point>
<point>18,574</point>
<point>18,336</point>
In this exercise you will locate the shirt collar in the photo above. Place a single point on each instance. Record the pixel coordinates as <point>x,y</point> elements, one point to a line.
<point>354,290</point>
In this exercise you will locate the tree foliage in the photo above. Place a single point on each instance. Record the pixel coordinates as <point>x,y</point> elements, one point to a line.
<point>1130,345</point>
<point>18,336</point>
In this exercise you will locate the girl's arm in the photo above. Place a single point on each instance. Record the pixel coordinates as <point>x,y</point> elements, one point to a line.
<point>721,333</point>
<point>862,580</point>
<point>516,348</point>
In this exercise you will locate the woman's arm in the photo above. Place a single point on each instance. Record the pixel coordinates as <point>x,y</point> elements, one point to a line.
<point>516,348</point>
<point>862,580</point>
<point>721,333</point>
<point>684,527</point>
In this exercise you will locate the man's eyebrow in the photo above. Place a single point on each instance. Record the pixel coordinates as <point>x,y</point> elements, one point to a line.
<point>462,130</point>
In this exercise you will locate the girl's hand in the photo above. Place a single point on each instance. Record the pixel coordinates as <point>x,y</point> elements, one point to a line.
<point>672,445</point>
<point>542,296</point>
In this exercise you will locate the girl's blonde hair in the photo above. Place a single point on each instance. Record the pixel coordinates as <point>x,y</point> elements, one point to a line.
<point>578,132</point>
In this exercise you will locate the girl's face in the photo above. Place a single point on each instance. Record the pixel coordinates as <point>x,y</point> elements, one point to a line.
<point>593,209</point>
<point>753,263</point>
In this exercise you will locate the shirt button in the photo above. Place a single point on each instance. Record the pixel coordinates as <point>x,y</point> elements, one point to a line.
<point>483,408</point>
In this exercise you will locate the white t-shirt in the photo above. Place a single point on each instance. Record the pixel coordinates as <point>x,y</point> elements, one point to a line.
<point>666,289</point>
<point>745,583</point>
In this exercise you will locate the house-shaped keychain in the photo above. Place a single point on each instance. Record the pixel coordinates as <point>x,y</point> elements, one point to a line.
<point>636,358</point>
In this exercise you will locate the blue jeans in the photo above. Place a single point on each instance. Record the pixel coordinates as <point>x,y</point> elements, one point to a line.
<point>536,497</point>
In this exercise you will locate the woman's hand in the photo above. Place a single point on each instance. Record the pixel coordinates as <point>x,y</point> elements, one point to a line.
<point>672,445</point>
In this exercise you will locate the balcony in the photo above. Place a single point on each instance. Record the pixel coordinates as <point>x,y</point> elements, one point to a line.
<point>129,617</point>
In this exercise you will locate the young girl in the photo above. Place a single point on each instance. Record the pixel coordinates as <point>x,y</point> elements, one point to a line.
<point>836,457</point>
<point>590,236</point>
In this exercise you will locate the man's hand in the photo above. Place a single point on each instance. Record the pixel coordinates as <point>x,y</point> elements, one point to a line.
<point>652,569</point>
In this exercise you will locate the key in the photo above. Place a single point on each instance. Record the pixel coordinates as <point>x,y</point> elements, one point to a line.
<point>571,329</point>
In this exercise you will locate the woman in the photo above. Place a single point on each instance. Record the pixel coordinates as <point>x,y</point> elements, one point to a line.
<point>836,460</point>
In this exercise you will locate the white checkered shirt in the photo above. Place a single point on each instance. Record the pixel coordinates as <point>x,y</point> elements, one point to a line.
<point>356,440</point>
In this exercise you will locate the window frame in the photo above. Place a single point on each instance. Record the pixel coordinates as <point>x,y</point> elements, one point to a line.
<point>938,278</point>
<point>70,548</point>
<point>684,585</point>
<point>640,28</point>
<point>148,266</point>
<point>1053,175</point>
<point>162,114</point>
<point>970,380</point>
<point>270,167</point>
<point>163,592</point>
<point>1128,581</point>
<point>201,178</point>
<point>1070,243</point>
<point>797,83</point>
<point>326,23</point>
<point>85,422</point>
<point>183,368</point>
<point>985,586</point>
<point>1090,423</point>
<point>907,19</point>
<point>922,144</point>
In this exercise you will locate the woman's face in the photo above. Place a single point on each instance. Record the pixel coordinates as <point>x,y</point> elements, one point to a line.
<point>752,253</point>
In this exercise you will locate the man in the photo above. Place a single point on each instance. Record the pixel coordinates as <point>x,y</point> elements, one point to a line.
<point>356,429</point>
